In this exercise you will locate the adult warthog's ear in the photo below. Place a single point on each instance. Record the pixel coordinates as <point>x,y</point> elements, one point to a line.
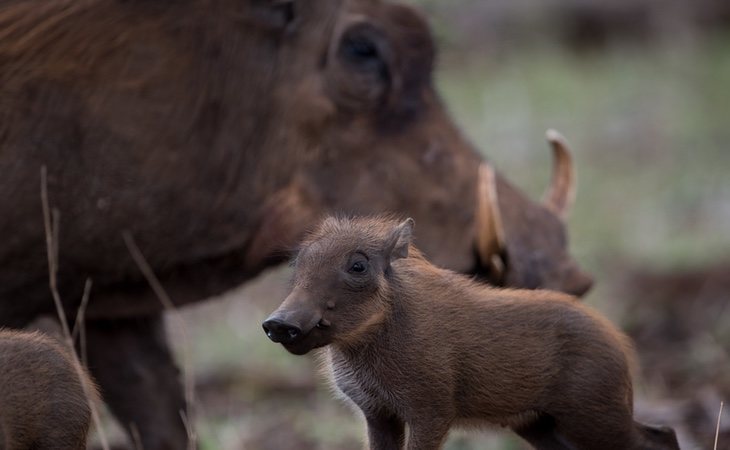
<point>399,240</point>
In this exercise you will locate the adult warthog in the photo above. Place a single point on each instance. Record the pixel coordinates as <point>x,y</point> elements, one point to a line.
<point>213,133</point>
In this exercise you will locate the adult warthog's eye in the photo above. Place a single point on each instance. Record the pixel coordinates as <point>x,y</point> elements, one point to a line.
<point>359,267</point>
<point>359,49</point>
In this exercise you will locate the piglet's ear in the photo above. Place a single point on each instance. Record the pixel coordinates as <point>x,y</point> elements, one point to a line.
<point>400,239</point>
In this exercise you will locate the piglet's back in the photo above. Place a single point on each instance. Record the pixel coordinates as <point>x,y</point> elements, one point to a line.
<point>526,343</point>
<point>482,310</point>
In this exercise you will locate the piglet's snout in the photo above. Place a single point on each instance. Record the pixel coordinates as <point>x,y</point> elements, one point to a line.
<point>294,319</point>
<point>279,331</point>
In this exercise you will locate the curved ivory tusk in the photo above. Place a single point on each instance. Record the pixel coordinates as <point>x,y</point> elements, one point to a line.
<point>560,195</point>
<point>490,239</point>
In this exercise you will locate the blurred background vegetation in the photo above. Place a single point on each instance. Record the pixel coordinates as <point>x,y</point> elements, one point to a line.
<point>641,89</point>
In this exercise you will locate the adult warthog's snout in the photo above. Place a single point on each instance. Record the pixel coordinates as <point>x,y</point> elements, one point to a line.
<point>579,284</point>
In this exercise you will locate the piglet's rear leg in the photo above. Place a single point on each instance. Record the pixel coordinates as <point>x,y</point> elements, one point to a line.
<point>542,435</point>
<point>139,381</point>
<point>657,437</point>
<point>385,432</point>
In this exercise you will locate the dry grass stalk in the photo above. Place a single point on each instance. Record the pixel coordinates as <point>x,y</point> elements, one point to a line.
<point>717,430</point>
<point>136,438</point>
<point>51,226</point>
<point>79,330</point>
<point>164,298</point>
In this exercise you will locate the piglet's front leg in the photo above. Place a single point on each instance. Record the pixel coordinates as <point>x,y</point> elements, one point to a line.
<point>428,434</point>
<point>385,432</point>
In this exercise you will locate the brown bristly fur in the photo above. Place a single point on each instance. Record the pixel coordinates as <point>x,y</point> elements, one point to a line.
<point>413,344</point>
<point>45,394</point>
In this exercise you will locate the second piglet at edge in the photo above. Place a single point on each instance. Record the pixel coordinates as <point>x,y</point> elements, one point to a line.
<point>413,344</point>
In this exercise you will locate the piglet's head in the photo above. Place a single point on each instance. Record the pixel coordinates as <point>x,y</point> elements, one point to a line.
<point>339,294</point>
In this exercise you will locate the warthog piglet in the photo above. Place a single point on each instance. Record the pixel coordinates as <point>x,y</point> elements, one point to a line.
<point>412,344</point>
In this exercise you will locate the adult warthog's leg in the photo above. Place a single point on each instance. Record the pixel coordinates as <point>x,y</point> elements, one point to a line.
<point>139,381</point>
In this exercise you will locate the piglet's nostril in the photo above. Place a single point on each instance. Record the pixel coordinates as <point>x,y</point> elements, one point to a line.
<point>279,331</point>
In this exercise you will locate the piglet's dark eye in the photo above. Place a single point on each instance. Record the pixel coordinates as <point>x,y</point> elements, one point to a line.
<point>358,267</point>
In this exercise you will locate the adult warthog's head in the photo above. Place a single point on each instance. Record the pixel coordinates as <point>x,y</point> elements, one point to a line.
<point>382,141</point>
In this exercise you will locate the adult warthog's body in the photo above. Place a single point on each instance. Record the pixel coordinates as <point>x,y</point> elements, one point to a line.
<point>213,133</point>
